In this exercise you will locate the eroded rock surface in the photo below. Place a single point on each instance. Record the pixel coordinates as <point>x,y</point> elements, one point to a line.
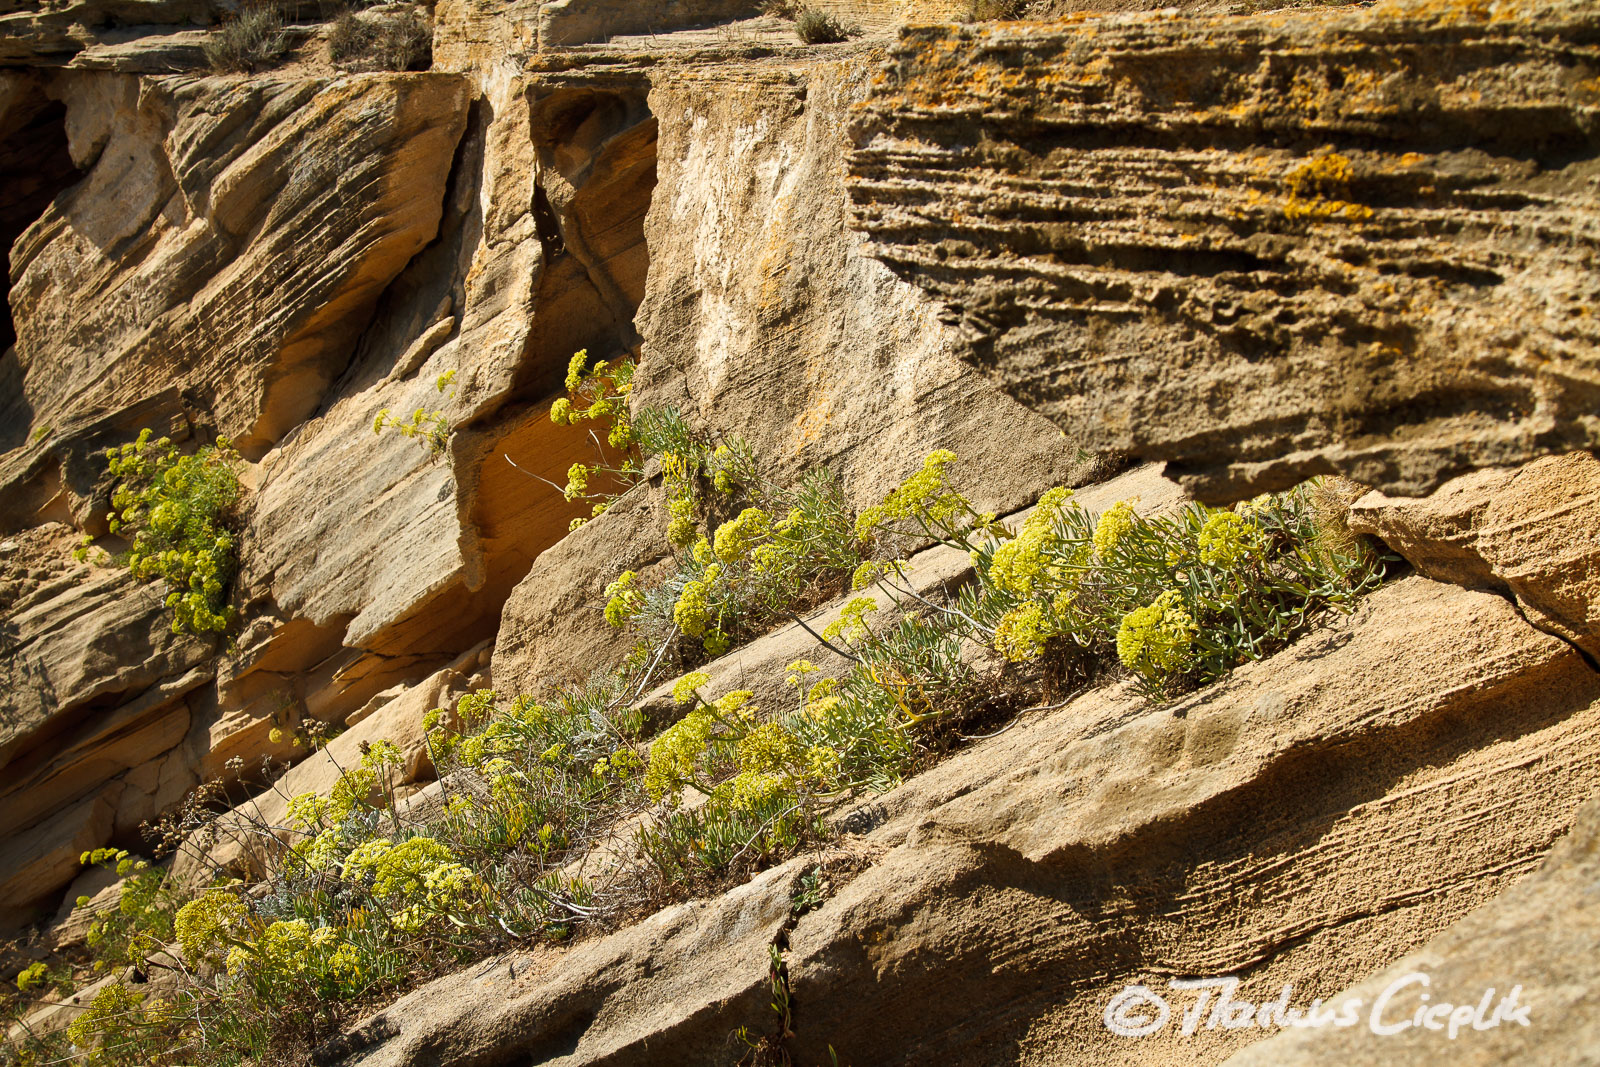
<point>243,229</point>
<point>1254,247</point>
<point>1532,532</point>
<point>1260,248</point>
<point>1537,940</point>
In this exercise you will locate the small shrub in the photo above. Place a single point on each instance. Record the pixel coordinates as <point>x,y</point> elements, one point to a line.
<point>141,923</point>
<point>1180,600</point>
<point>814,26</point>
<point>400,41</point>
<point>252,39</point>
<point>998,10</point>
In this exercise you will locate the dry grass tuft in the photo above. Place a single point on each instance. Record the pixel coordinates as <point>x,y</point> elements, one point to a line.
<point>253,39</point>
<point>396,41</point>
<point>818,27</point>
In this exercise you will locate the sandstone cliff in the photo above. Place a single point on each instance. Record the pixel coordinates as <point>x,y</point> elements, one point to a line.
<point>1254,247</point>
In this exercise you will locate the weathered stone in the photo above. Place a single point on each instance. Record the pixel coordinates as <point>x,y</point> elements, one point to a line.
<point>1540,938</point>
<point>762,316</point>
<point>248,226</point>
<point>668,990</point>
<point>483,32</point>
<point>99,747</point>
<point>87,637</point>
<point>1309,818</point>
<point>69,930</point>
<point>1263,247</point>
<point>37,862</point>
<point>552,628</point>
<point>1532,532</point>
<point>49,33</point>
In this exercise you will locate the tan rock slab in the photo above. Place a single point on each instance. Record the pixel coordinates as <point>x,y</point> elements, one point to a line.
<point>1531,531</point>
<point>1540,939</point>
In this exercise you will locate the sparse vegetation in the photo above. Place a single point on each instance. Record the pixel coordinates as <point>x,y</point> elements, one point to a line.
<point>388,41</point>
<point>178,512</point>
<point>361,902</point>
<point>252,39</point>
<point>998,10</point>
<point>815,26</point>
<point>430,427</point>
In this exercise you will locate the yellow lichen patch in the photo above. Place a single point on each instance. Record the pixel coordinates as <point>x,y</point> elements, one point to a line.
<point>1319,187</point>
<point>813,421</point>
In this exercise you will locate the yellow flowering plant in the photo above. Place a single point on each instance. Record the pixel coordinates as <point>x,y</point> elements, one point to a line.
<point>761,783</point>
<point>431,427</point>
<point>1178,599</point>
<point>179,513</point>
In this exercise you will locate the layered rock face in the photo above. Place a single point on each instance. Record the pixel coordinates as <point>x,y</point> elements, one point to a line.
<point>1260,248</point>
<point>1255,248</point>
<point>279,258</point>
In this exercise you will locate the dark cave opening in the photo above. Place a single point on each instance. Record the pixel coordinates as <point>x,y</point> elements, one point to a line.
<point>35,167</point>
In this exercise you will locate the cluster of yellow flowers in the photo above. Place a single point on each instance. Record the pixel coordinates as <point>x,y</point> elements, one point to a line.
<point>176,508</point>
<point>1226,538</point>
<point>600,393</point>
<point>851,625</point>
<point>1021,632</point>
<point>680,526</point>
<point>419,874</point>
<point>1114,524</point>
<point>1155,640</point>
<point>32,976</point>
<point>738,537</point>
<point>115,1009</point>
<point>577,481</point>
<point>1021,562</point>
<point>771,762</point>
<point>208,925</point>
<point>693,611</point>
<point>431,426</point>
<point>676,753</point>
<point>605,388</point>
<point>623,599</point>
<point>685,689</point>
<point>926,494</point>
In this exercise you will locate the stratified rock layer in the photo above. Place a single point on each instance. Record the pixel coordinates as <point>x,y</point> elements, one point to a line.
<point>1530,952</point>
<point>231,238</point>
<point>1262,248</point>
<point>1532,532</point>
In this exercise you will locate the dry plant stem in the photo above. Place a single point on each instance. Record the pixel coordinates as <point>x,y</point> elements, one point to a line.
<point>558,488</point>
<point>662,651</point>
